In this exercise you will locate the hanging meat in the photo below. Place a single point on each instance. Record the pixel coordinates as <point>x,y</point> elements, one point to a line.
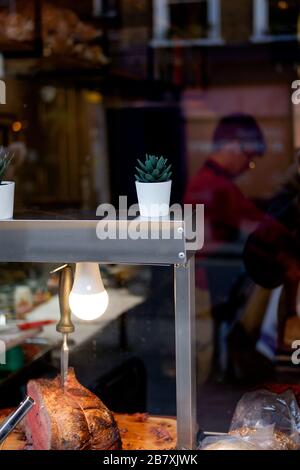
<point>63,33</point>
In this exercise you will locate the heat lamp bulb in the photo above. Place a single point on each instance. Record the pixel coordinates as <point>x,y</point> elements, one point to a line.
<point>88,298</point>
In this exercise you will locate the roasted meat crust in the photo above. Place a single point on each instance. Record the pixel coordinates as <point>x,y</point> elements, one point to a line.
<point>72,418</point>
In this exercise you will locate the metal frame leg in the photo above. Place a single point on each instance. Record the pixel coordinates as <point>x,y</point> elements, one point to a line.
<point>185,331</point>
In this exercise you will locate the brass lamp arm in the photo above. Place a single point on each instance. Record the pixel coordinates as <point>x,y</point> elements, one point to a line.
<point>65,324</point>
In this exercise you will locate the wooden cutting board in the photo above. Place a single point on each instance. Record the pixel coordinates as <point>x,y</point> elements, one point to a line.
<point>16,440</point>
<point>144,432</point>
<point>139,431</point>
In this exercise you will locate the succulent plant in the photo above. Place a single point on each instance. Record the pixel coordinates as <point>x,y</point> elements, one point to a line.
<point>153,170</point>
<point>5,159</point>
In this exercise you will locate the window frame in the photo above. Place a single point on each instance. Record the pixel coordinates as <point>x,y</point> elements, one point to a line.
<point>261,24</point>
<point>161,24</point>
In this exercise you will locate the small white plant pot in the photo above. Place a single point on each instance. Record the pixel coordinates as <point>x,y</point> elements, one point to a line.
<point>154,198</point>
<point>7,194</point>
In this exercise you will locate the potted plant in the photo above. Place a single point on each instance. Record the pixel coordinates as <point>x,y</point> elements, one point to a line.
<point>153,186</point>
<point>7,188</point>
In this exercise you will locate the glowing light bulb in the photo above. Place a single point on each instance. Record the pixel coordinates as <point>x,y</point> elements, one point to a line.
<point>88,298</point>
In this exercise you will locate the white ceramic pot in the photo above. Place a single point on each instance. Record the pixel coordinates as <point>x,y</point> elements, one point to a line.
<point>7,193</point>
<point>154,198</point>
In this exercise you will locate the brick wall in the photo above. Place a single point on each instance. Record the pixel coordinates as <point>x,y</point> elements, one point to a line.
<point>236,20</point>
<point>136,13</point>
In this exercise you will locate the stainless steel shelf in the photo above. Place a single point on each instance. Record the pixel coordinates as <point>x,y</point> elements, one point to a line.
<point>55,240</point>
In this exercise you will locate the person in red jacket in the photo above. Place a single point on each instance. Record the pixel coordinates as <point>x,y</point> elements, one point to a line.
<point>237,141</point>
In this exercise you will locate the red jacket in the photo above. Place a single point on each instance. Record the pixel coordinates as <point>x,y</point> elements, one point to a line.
<point>226,207</point>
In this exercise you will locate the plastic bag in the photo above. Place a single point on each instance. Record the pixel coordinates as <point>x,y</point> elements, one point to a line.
<point>268,420</point>
<point>226,443</point>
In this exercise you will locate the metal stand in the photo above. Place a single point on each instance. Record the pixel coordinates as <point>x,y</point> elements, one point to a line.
<point>185,331</point>
<point>75,240</point>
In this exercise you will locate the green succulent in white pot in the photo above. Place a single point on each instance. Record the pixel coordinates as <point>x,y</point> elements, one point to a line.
<point>153,186</point>
<point>7,188</point>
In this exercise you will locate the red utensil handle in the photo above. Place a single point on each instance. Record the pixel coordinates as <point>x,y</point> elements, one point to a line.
<point>36,324</point>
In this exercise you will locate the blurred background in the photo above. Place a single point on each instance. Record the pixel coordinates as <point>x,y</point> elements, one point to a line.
<point>93,85</point>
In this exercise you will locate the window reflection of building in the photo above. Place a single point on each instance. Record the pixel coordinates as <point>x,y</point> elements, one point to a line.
<point>188,21</point>
<point>254,78</point>
<point>275,19</point>
<point>105,8</point>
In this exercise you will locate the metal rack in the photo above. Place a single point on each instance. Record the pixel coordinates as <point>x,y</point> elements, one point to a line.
<point>56,240</point>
